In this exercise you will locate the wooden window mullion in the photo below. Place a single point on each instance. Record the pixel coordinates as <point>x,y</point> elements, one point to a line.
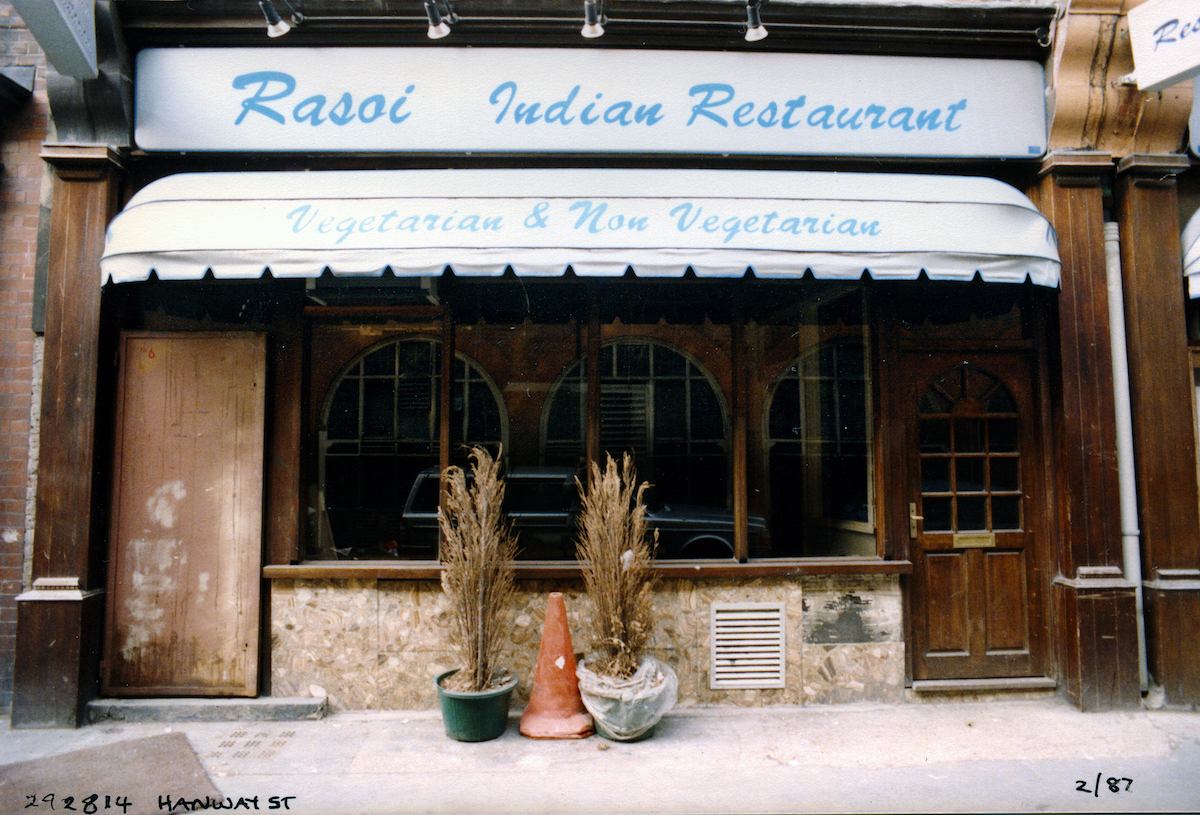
<point>741,509</point>
<point>444,396</point>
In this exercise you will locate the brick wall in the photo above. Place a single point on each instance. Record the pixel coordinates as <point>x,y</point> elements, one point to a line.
<point>21,136</point>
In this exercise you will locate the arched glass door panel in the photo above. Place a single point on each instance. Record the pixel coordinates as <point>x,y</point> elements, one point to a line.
<point>820,460</point>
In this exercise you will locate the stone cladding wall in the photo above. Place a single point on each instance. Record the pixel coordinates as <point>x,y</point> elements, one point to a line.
<point>378,644</point>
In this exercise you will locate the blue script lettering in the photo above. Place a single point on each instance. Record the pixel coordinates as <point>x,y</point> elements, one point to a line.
<point>621,113</point>
<point>272,86</point>
<point>592,219</point>
<point>716,100</point>
<point>254,103</point>
<point>1171,31</point>
<point>306,216</point>
<point>689,216</point>
<point>717,94</point>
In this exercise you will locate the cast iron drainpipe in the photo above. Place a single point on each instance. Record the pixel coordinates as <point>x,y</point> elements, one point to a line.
<point>1131,548</point>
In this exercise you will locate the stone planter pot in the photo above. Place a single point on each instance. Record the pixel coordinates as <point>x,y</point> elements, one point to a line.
<point>475,716</point>
<point>628,709</point>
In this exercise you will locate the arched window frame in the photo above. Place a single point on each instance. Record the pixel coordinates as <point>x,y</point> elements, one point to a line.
<point>469,375</point>
<point>574,378</point>
<point>475,376</point>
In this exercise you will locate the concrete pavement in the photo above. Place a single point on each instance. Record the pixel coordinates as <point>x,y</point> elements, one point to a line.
<point>1031,755</point>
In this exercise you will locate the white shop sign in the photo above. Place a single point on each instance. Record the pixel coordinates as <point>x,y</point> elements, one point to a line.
<point>586,100</point>
<point>1165,37</point>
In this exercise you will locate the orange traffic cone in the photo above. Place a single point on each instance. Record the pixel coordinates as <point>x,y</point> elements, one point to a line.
<point>555,709</point>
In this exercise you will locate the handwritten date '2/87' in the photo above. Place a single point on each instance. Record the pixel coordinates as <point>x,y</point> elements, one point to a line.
<point>1102,784</point>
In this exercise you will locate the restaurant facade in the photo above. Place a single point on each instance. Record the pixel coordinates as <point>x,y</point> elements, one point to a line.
<point>846,292</point>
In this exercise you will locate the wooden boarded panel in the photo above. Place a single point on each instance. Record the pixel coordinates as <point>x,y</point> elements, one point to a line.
<point>186,536</point>
<point>1007,621</point>
<point>947,622</point>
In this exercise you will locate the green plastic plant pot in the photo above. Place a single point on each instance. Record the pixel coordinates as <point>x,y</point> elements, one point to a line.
<point>478,716</point>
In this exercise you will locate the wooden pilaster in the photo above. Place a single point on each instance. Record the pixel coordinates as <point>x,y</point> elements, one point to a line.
<point>1094,605</point>
<point>1160,376</point>
<point>59,621</point>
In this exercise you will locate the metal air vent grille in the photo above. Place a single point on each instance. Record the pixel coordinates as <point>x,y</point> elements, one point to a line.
<point>747,645</point>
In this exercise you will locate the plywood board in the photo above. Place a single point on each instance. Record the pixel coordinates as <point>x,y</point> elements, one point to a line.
<point>186,533</point>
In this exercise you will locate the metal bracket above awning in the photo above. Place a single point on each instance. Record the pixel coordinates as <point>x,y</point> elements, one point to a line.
<point>659,223</point>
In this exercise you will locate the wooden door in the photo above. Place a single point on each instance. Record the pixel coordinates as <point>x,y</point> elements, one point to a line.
<point>974,518</point>
<point>186,533</point>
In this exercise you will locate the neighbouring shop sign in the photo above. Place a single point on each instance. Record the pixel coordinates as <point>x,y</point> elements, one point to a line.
<point>1194,122</point>
<point>1165,37</point>
<point>583,100</point>
<point>1190,248</point>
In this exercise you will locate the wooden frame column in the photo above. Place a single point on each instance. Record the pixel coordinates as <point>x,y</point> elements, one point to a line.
<point>59,621</point>
<point>445,399</point>
<point>1160,384</point>
<point>740,406</point>
<point>1094,604</point>
<point>592,398</point>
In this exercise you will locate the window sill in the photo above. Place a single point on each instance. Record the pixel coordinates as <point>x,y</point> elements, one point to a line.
<point>536,570</point>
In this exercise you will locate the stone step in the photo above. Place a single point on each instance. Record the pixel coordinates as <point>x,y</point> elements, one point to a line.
<point>263,709</point>
<point>1001,684</point>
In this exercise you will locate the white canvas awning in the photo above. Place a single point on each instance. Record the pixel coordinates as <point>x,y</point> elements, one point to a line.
<point>1190,246</point>
<point>540,222</point>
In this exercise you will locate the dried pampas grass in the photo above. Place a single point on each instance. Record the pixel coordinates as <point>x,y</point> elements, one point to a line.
<point>478,549</point>
<point>616,555</point>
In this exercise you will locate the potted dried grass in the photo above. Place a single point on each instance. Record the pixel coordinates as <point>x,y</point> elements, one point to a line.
<point>478,549</point>
<point>624,688</point>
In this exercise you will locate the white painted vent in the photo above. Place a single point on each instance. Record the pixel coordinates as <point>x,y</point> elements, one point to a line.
<point>747,645</point>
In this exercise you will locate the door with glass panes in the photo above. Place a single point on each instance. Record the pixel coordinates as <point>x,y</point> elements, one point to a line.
<point>974,517</point>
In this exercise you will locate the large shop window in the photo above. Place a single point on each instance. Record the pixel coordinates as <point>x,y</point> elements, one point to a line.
<point>665,390</point>
<point>380,430</point>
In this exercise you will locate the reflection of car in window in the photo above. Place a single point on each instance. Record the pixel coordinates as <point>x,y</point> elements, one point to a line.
<point>543,504</point>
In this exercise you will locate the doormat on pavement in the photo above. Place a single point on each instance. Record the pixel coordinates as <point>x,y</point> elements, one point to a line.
<point>151,775</point>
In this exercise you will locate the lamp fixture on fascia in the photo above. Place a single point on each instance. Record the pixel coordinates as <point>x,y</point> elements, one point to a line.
<point>755,30</point>
<point>593,19</point>
<point>276,25</point>
<point>439,22</point>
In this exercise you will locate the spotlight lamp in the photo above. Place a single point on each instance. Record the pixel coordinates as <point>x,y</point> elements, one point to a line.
<point>439,23</point>
<point>592,20</point>
<point>276,25</point>
<point>755,30</point>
